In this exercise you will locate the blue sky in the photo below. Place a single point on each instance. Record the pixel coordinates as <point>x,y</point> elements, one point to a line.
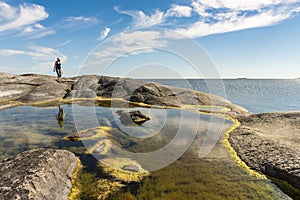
<point>249,38</point>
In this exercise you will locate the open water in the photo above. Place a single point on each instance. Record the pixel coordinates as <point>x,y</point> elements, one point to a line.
<point>256,95</point>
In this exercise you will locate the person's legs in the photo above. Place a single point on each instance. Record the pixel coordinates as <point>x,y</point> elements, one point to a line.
<point>58,71</point>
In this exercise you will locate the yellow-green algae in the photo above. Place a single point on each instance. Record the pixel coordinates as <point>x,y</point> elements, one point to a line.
<point>228,146</point>
<point>192,178</point>
<point>87,186</point>
<point>99,132</point>
<point>107,187</point>
<point>76,185</point>
<point>233,153</point>
<point>117,171</point>
<point>219,112</point>
<point>114,167</point>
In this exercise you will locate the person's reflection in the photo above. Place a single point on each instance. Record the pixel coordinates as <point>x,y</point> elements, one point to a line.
<point>60,116</point>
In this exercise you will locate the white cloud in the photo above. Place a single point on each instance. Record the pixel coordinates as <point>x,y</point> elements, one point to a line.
<point>75,23</point>
<point>233,15</point>
<point>124,44</point>
<point>104,33</point>
<point>140,19</point>
<point>244,4</point>
<point>179,11</point>
<point>80,18</point>
<point>218,16</point>
<point>34,59</point>
<point>63,43</point>
<point>234,23</point>
<point>17,17</point>
<point>6,12</point>
<point>34,52</point>
<point>33,28</point>
<point>40,34</point>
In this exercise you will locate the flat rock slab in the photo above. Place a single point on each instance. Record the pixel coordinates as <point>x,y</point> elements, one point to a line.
<point>30,88</point>
<point>269,143</point>
<point>37,174</point>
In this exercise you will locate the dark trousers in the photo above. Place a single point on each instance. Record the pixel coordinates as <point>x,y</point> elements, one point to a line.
<point>58,71</point>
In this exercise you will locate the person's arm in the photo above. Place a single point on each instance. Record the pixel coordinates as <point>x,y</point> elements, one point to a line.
<point>54,67</point>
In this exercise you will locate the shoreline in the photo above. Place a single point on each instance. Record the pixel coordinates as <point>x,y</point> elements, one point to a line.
<point>66,90</point>
<point>268,143</point>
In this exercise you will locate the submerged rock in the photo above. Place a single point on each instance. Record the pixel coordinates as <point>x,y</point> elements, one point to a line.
<point>89,134</point>
<point>135,117</point>
<point>130,168</point>
<point>123,169</point>
<point>102,147</point>
<point>37,174</point>
<point>269,143</point>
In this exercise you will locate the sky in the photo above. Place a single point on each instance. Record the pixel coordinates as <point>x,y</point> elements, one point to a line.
<point>152,38</point>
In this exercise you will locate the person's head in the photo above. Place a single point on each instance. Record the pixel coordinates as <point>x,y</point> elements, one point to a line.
<point>58,59</point>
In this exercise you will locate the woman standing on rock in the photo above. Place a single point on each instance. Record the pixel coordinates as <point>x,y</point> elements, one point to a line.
<point>58,69</point>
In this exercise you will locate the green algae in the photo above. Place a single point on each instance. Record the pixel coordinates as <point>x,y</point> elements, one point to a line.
<point>114,167</point>
<point>187,178</point>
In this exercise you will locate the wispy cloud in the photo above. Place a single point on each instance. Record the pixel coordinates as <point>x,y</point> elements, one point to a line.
<point>63,43</point>
<point>36,31</point>
<point>116,22</point>
<point>104,33</point>
<point>24,20</point>
<point>33,59</point>
<point>124,44</point>
<point>21,16</point>
<point>80,18</point>
<point>243,5</point>
<point>75,23</point>
<point>179,11</point>
<point>217,16</point>
<point>34,52</point>
<point>140,19</point>
<point>232,15</point>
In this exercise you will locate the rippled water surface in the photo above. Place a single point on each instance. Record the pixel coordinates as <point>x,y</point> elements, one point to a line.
<point>256,95</point>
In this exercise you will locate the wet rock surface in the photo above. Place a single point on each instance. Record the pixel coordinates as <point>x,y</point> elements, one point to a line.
<point>269,143</point>
<point>36,174</point>
<point>129,118</point>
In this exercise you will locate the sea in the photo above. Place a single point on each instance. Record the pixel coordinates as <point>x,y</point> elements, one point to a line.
<point>256,95</point>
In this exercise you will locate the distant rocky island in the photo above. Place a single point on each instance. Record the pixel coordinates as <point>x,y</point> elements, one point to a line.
<point>267,143</point>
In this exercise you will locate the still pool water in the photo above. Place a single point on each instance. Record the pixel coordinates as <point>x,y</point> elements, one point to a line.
<point>179,174</point>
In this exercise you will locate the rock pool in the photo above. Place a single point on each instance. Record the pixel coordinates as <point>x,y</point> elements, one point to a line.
<point>181,175</point>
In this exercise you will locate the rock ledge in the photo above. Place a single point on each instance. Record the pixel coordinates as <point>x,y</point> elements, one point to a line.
<point>37,174</point>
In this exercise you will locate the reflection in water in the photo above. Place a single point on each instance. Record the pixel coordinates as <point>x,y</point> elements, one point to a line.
<point>60,116</point>
<point>214,177</point>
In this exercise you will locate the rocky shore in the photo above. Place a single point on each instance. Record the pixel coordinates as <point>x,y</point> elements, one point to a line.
<point>269,143</point>
<point>33,88</point>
